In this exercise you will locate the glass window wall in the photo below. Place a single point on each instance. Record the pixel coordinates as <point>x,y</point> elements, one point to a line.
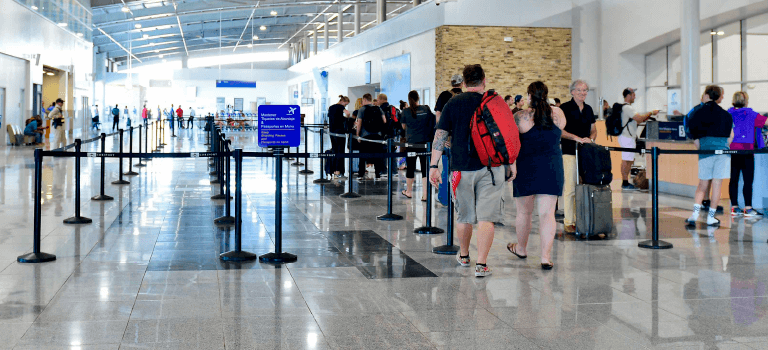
<point>68,14</point>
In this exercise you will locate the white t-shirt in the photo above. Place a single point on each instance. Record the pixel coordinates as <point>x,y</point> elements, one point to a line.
<point>191,112</point>
<point>627,112</point>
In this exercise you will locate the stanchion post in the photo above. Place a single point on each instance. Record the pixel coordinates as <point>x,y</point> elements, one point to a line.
<point>140,128</point>
<point>77,219</point>
<point>389,216</point>
<point>428,229</point>
<point>448,248</point>
<point>120,180</point>
<point>220,171</point>
<point>654,242</point>
<point>322,180</point>
<point>208,122</point>
<point>162,134</point>
<point>37,256</point>
<point>215,145</point>
<point>238,254</point>
<point>278,256</point>
<point>227,219</point>
<point>306,170</point>
<point>130,152</point>
<point>350,192</point>
<point>102,196</point>
<point>298,161</point>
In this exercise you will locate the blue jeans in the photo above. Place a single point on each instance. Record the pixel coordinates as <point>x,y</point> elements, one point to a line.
<point>38,137</point>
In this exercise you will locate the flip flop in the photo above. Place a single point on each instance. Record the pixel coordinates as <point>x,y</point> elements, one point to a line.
<point>423,199</point>
<point>406,196</point>
<point>511,248</point>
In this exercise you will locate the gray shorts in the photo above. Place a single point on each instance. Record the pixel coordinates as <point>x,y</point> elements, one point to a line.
<point>477,199</point>
<point>715,167</point>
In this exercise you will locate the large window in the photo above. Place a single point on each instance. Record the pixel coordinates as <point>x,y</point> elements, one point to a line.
<point>732,56</point>
<point>68,14</point>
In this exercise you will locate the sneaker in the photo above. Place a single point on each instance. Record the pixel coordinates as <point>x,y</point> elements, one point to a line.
<point>570,229</point>
<point>482,271</point>
<point>736,211</point>
<point>628,187</point>
<point>712,221</point>
<point>340,177</point>
<point>752,212</point>
<point>691,221</point>
<point>464,261</point>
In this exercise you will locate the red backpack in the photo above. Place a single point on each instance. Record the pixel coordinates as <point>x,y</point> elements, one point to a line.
<point>494,133</point>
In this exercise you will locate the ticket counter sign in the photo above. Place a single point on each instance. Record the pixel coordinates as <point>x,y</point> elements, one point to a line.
<point>279,126</point>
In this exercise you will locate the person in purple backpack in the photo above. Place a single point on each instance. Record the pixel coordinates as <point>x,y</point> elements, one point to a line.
<point>746,123</point>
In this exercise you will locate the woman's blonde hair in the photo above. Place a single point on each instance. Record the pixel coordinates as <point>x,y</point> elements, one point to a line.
<point>343,98</point>
<point>358,103</point>
<point>740,99</point>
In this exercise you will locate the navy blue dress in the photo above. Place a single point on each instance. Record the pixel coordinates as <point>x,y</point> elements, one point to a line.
<point>540,163</point>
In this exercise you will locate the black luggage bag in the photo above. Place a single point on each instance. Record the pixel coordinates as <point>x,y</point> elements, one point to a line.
<point>594,164</point>
<point>594,205</point>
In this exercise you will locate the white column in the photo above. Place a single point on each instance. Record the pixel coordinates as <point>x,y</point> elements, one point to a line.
<point>381,11</point>
<point>416,3</point>
<point>689,54</point>
<point>314,37</point>
<point>357,17</point>
<point>326,32</point>
<point>340,20</point>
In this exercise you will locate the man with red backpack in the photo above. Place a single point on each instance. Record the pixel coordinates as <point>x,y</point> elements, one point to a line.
<point>477,178</point>
<point>370,124</point>
<point>394,128</point>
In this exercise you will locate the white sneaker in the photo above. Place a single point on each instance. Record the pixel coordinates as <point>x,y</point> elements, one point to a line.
<point>711,221</point>
<point>462,261</point>
<point>482,271</point>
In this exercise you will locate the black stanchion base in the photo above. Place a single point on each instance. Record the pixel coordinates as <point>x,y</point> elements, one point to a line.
<point>278,258</point>
<point>321,181</point>
<point>224,220</point>
<point>446,249</point>
<point>215,181</point>
<point>121,182</point>
<point>131,173</point>
<point>102,198</point>
<point>206,144</point>
<point>238,256</point>
<point>139,165</point>
<point>389,217</point>
<point>78,220</point>
<point>221,196</point>
<point>426,230</point>
<point>306,172</point>
<point>213,173</point>
<point>173,136</point>
<point>350,195</point>
<point>651,244</point>
<point>34,258</point>
<point>297,163</point>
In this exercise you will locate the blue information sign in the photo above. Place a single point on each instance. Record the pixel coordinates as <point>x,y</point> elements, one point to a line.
<point>279,126</point>
<point>235,84</point>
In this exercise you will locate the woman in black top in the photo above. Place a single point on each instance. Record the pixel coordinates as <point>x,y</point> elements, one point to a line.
<point>337,117</point>
<point>419,124</point>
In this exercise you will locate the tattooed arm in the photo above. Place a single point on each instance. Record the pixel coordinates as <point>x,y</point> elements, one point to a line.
<point>524,120</point>
<point>438,145</point>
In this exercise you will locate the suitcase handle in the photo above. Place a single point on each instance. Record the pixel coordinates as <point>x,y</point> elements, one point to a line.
<point>577,163</point>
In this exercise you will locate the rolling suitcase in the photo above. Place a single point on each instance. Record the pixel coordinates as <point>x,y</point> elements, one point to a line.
<point>594,207</point>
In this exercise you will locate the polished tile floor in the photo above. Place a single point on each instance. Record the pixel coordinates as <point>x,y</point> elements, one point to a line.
<point>146,274</point>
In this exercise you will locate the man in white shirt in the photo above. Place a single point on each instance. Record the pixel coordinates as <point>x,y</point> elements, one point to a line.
<point>191,117</point>
<point>629,119</point>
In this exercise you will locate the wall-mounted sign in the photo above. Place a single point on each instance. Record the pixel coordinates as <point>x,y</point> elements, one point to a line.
<point>235,84</point>
<point>279,126</point>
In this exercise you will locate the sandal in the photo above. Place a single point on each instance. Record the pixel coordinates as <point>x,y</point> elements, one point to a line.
<point>406,196</point>
<point>547,266</point>
<point>511,248</point>
<point>423,199</point>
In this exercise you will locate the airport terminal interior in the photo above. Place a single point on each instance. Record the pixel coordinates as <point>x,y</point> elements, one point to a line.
<point>154,203</point>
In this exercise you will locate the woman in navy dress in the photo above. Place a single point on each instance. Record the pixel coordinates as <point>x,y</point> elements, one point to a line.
<point>540,177</point>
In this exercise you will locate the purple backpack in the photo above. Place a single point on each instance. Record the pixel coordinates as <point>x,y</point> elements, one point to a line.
<point>744,130</point>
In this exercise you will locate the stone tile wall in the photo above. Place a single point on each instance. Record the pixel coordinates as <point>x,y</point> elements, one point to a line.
<point>534,54</point>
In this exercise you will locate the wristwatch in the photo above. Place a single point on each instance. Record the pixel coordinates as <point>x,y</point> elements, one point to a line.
<point>433,166</point>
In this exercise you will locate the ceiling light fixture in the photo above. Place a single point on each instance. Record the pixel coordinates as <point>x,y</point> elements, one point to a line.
<point>250,46</point>
<point>125,9</point>
<point>49,73</point>
<point>255,37</point>
<point>721,33</point>
<point>157,51</point>
<point>161,56</point>
<point>263,27</point>
<point>273,13</point>
<point>34,7</point>
<point>145,36</point>
<point>151,44</point>
<point>137,25</point>
<point>713,33</point>
<point>62,24</point>
<point>80,34</point>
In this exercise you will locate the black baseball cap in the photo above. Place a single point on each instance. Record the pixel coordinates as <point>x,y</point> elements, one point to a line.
<point>58,100</point>
<point>628,91</point>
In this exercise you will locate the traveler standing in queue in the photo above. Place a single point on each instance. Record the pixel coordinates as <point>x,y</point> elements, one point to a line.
<point>191,122</point>
<point>370,124</point>
<point>337,119</point>
<point>126,113</point>
<point>579,129</point>
<point>509,101</point>
<point>457,80</point>
<point>419,124</point>
<point>541,180</point>
<point>180,117</point>
<point>746,123</point>
<point>712,129</point>
<point>144,114</point>
<point>115,118</point>
<point>171,117</point>
<point>57,119</point>
<point>519,103</point>
<point>477,197</point>
<point>629,120</point>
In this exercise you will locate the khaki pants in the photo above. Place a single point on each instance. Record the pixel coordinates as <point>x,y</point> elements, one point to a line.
<point>569,189</point>
<point>60,137</point>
